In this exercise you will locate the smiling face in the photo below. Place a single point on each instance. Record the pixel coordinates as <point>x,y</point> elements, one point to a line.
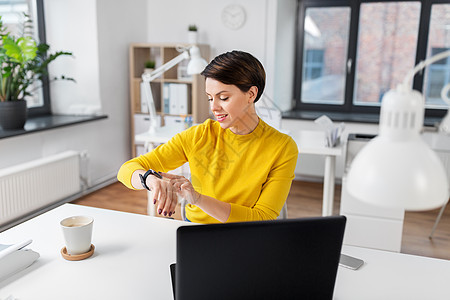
<point>232,108</point>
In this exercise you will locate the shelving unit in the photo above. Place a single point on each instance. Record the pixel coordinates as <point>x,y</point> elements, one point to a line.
<point>198,107</point>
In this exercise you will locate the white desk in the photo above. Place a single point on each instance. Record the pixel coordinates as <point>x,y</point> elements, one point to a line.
<point>308,142</point>
<point>131,258</point>
<point>313,142</point>
<point>133,253</point>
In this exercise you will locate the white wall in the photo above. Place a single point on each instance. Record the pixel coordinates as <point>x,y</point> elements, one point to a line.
<point>256,36</point>
<point>99,32</point>
<point>168,22</point>
<point>73,28</point>
<point>284,54</point>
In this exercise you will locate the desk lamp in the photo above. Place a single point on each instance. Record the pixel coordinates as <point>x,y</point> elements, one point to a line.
<point>195,66</point>
<point>397,168</point>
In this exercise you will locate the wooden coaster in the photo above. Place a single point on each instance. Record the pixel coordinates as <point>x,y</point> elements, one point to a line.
<point>77,256</point>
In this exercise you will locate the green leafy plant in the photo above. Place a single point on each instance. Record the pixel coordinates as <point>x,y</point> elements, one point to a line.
<point>150,64</point>
<point>23,62</point>
<point>192,27</point>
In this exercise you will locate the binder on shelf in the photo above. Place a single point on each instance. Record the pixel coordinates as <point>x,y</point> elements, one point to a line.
<point>182,99</point>
<point>178,99</point>
<point>166,98</point>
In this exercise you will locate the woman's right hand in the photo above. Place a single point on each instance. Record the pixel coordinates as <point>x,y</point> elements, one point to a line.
<point>164,195</point>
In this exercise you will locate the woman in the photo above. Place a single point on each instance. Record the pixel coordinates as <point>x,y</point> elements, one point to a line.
<point>241,168</point>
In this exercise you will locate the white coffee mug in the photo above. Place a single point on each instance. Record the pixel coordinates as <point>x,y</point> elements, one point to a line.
<point>77,233</point>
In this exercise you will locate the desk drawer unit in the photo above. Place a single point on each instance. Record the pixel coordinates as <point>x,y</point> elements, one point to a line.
<point>376,227</point>
<point>367,225</point>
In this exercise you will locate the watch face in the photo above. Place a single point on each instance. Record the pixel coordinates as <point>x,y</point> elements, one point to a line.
<point>233,16</point>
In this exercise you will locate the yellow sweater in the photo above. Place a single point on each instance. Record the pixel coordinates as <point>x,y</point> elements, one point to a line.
<point>252,172</point>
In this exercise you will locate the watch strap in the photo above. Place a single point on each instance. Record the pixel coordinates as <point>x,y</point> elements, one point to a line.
<point>144,177</point>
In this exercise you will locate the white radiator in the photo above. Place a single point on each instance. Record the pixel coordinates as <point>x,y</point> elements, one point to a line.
<point>34,185</point>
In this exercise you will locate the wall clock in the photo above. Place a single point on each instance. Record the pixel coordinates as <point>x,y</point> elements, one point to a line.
<point>233,16</point>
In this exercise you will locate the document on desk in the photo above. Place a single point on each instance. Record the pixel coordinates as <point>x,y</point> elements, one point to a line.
<point>14,258</point>
<point>332,132</point>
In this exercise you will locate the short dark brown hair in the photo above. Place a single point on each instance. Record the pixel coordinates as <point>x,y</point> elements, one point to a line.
<point>238,68</point>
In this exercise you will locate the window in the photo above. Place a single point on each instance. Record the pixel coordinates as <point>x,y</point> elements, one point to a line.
<point>438,74</point>
<point>313,64</point>
<point>351,52</point>
<point>325,55</point>
<point>386,48</point>
<point>12,12</point>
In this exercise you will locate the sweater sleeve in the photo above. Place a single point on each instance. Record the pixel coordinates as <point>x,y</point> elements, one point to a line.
<point>274,191</point>
<point>165,157</point>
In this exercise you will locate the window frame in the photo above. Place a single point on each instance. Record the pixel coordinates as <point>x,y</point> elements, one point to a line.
<point>348,106</point>
<point>45,109</point>
<point>445,67</point>
<point>36,14</point>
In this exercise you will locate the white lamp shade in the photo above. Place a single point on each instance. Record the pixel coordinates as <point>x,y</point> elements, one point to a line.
<point>397,168</point>
<point>406,174</point>
<point>196,64</point>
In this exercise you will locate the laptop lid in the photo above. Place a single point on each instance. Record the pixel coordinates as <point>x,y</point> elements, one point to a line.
<point>283,259</point>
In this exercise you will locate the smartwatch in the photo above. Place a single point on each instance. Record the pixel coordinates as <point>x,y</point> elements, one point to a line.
<point>144,177</point>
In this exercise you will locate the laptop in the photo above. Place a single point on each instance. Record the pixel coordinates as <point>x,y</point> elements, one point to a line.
<point>283,259</point>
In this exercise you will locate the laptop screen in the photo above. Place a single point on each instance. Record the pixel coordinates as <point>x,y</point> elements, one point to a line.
<point>283,259</point>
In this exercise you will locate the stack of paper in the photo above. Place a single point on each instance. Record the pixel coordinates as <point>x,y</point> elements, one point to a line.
<point>13,258</point>
<point>332,132</point>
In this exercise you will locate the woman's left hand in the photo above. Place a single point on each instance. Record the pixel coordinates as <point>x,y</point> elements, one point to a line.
<point>184,187</point>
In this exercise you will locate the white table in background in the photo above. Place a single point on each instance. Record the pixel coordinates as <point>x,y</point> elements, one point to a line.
<point>313,142</point>
<point>160,136</point>
<point>133,253</point>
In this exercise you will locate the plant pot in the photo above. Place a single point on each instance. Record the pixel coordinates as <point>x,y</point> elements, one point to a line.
<point>13,114</point>
<point>192,37</point>
<point>148,70</point>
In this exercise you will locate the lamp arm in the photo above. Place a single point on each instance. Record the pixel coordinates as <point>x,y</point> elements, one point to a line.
<point>168,65</point>
<point>147,78</point>
<point>408,78</point>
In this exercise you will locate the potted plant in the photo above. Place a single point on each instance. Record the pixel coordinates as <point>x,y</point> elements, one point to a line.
<point>192,34</point>
<point>23,62</point>
<point>149,66</point>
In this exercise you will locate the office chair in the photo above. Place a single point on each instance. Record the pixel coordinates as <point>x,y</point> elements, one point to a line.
<point>269,112</point>
<point>283,212</point>
<point>441,212</point>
